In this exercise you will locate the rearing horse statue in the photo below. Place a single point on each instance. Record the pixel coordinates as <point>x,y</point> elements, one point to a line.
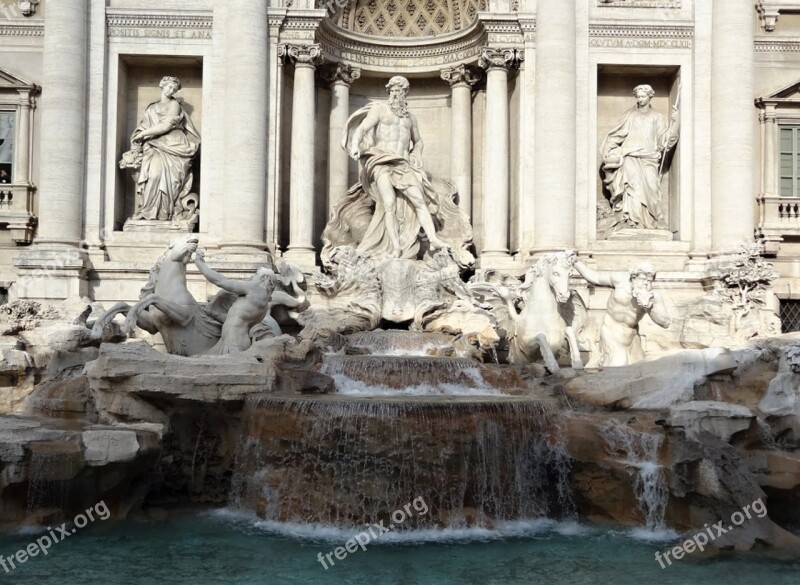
<point>166,306</point>
<point>552,315</point>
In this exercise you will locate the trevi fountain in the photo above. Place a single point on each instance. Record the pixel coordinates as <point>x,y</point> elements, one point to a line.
<point>404,291</point>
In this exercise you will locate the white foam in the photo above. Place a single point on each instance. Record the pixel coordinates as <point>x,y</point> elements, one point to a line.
<point>644,534</point>
<point>326,533</point>
<point>348,387</point>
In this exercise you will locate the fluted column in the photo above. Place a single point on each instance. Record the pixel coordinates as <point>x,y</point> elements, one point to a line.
<point>732,127</point>
<point>301,172</point>
<point>338,76</point>
<point>245,132</point>
<point>22,161</point>
<point>63,148</point>
<point>770,148</point>
<point>554,127</point>
<point>461,79</point>
<point>498,63</point>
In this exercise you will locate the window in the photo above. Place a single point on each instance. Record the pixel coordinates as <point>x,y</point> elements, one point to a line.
<point>790,315</point>
<point>7,132</point>
<point>790,161</point>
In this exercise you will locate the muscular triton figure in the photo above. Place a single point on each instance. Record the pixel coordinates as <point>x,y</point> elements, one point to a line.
<point>385,139</point>
<point>631,300</point>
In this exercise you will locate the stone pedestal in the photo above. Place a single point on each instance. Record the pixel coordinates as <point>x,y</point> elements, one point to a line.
<point>156,226</point>
<point>633,234</point>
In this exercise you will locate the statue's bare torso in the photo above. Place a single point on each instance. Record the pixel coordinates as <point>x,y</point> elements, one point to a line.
<point>393,133</point>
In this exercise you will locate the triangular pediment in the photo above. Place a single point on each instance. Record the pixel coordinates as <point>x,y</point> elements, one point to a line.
<point>791,91</point>
<point>11,81</point>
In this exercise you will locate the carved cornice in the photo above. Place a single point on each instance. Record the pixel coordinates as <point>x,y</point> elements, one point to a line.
<point>161,24</point>
<point>494,58</point>
<point>777,45</point>
<point>33,28</point>
<point>463,75</point>
<point>407,55</point>
<point>640,3</point>
<point>641,36</point>
<point>301,55</point>
<point>339,73</point>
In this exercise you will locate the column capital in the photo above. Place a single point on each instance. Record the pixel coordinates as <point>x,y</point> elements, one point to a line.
<point>462,75</point>
<point>339,74</point>
<point>301,55</point>
<point>501,58</point>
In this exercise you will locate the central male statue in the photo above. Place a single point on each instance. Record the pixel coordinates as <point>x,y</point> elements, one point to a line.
<point>385,139</point>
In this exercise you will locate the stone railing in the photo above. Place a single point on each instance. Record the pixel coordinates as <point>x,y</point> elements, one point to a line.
<point>778,217</point>
<point>16,211</point>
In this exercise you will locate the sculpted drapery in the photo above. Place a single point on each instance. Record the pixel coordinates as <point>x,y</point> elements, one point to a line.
<point>168,143</point>
<point>633,162</point>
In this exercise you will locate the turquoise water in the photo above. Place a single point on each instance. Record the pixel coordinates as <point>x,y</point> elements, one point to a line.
<point>221,548</point>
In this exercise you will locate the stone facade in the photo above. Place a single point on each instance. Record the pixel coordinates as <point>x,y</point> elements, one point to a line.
<point>514,99</point>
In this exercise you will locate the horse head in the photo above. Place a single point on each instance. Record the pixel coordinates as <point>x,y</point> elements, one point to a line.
<point>555,268</point>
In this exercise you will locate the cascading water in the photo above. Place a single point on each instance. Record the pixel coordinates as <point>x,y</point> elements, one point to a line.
<point>640,451</point>
<point>404,425</point>
<point>378,375</point>
<point>345,462</point>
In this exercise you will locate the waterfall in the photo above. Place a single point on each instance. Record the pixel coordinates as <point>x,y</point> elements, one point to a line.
<point>345,462</point>
<point>640,451</point>
<point>377,375</point>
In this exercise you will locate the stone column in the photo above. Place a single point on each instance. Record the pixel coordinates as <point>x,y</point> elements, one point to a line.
<point>461,79</point>
<point>301,172</point>
<point>770,151</point>
<point>63,123</point>
<point>245,129</point>
<point>498,63</point>
<point>554,127</point>
<point>338,76</point>
<point>22,161</point>
<point>54,268</point>
<point>732,125</point>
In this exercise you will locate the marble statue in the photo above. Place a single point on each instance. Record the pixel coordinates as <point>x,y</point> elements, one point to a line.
<point>395,192</point>
<point>250,308</point>
<point>167,307</point>
<point>349,297</point>
<point>551,319</point>
<point>632,298</point>
<point>634,158</point>
<point>242,309</point>
<point>163,147</point>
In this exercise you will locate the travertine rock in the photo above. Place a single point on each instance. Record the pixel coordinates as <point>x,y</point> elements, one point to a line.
<point>102,447</point>
<point>651,385</point>
<point>783,394</point>
<point>720,419</point>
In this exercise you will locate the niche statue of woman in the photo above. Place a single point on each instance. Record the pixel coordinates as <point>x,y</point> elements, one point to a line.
<point>162,149</point>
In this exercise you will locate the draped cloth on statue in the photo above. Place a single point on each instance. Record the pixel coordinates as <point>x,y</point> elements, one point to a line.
<point>359,217</point>
<point>165,176</point>
<point>375,164</point>
<point>634,182</point>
